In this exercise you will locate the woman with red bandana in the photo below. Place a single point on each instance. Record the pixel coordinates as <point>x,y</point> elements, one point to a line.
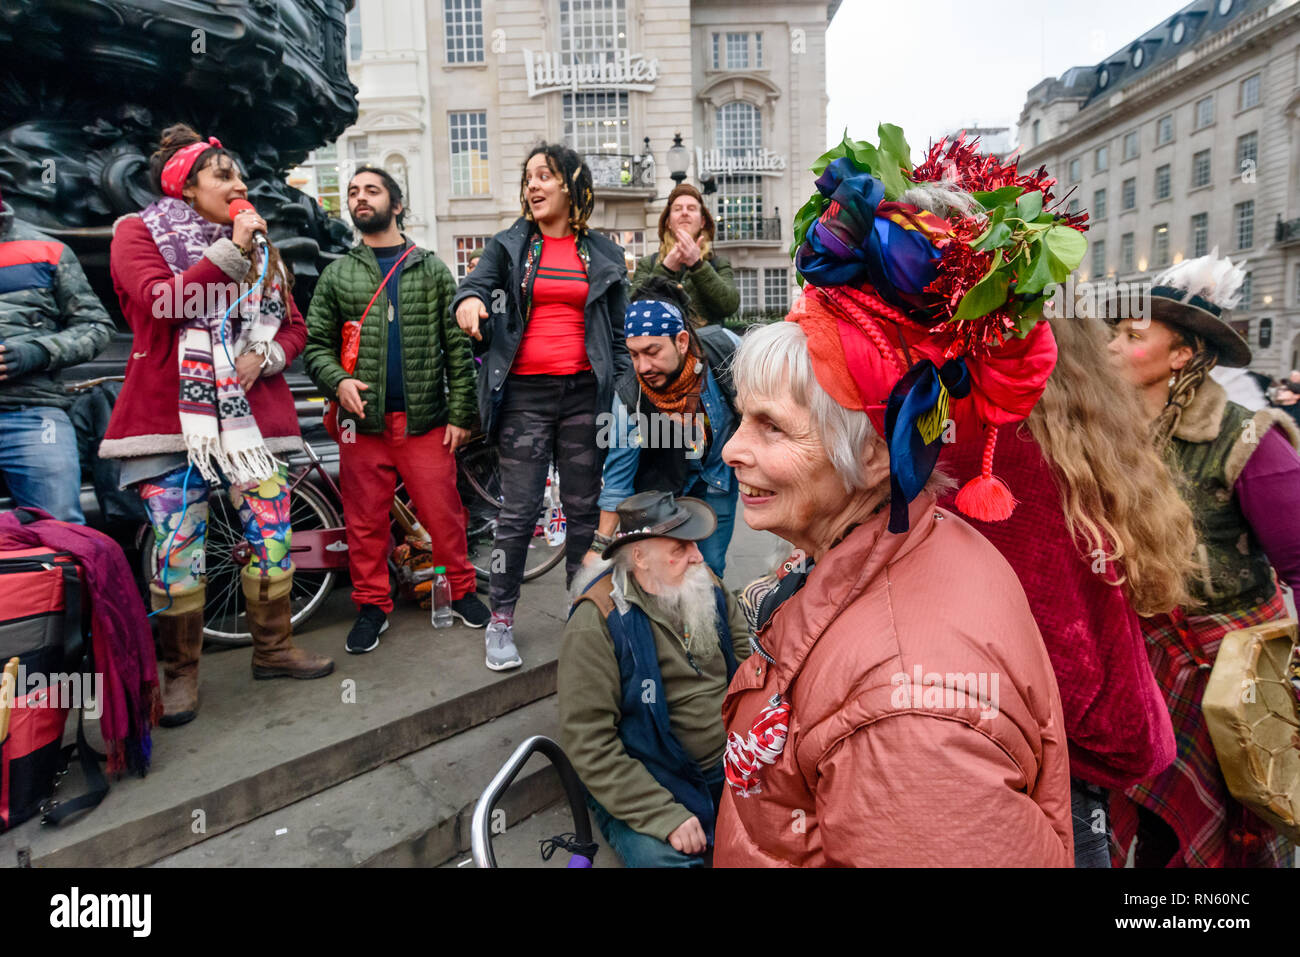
<point>900,708</point>
<point>205,401</point>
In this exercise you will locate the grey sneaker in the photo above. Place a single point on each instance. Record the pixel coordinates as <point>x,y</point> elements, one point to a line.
<point>501,651</point>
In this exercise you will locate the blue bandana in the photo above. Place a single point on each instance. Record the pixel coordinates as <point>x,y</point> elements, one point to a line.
<point>652,317</point>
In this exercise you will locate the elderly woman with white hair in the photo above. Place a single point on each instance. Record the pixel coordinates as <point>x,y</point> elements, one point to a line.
<point>900,708</point>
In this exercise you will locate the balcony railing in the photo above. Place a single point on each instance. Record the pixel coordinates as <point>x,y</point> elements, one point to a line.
<point>1288,231</point>
<point>620,171</point>
<point>748,229</point>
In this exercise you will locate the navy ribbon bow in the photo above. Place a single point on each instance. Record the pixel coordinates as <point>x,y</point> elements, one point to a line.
<point>914,423</point>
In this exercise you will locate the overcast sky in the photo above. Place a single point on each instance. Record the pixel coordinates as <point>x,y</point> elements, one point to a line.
<point>932,66</point>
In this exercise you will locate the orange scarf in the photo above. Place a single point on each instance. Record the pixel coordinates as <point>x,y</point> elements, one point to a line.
<point>683,393</point>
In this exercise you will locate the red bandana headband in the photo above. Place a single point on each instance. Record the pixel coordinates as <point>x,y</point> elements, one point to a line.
<point>177,169</point>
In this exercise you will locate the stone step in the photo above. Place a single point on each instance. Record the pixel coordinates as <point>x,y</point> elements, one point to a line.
<point>412,812</point>
<point>257,746</point>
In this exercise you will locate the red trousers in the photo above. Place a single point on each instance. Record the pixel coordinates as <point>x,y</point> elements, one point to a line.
<point>369,468</point>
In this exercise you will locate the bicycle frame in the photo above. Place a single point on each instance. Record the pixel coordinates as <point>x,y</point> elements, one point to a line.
<point>480,826</point>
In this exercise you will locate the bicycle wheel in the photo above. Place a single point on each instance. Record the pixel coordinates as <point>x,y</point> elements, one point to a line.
<point>224,620</point>
<point>479,482</point>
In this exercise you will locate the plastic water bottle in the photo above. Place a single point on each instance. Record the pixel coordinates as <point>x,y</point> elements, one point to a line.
<point>441,598</point>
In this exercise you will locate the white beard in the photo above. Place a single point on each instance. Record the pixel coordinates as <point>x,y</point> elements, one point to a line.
<point>691,606</point>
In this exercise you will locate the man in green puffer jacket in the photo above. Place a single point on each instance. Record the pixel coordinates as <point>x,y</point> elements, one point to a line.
<point>685,256</point>
<point>407,399</point>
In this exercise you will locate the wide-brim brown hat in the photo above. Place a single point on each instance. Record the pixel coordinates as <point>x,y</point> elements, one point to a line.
<point>660,515</point>
<point>1198,315</point>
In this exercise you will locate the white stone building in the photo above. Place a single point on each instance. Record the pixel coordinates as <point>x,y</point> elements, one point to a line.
<point>744,84</point>
<point>1185,139</point>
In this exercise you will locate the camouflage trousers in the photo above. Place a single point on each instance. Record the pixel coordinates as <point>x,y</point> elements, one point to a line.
<point>545,418</point>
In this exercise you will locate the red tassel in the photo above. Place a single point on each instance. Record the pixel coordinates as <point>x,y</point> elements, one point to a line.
<point>986,498</point>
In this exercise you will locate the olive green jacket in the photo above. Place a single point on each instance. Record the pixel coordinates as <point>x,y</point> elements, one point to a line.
<point>709,283</point>
<point>439,378</point>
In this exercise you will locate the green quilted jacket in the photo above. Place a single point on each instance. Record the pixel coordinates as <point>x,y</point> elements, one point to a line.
<point>439,375</point>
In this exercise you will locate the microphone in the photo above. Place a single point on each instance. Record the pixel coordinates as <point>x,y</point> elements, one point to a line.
<point>236,207</point>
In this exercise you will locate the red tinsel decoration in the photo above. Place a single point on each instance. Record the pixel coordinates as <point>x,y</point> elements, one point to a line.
<point>960,267</point>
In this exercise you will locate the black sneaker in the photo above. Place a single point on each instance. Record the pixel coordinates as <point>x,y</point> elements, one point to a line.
<point>370,624</point>
<point>472,612</point>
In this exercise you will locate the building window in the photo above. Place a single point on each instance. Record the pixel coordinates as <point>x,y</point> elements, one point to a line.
<point>1204,112</point>
<point>1245,291</point>
<point>747,286</point>
<point>1098,258</point>
<point>776,289</point>
<point>1130,145</point>
<point>354,33</point>
<point>739,208</point>
<point>1101,159</point>
<point>1126,253</point>
<point>597,122</point>
<point>1248,93</point>
<point>633,243</point>
<point>464,246</point>
<point>1265,332</point>
<point>1243,214</point>
<point>1128,193</point>
<point>463,26</point>
<point>589,29</point>
<point>738,128</point>
<point>1076,170</point>
<point>1200,234</point>
<point>1247,152</point>
<point>469,154</point>
<point>1201,169</point>
<point>1073,208</point>
<point>758,51</point>
<point>1160,245</point>
<point>318,177</point>
<point>1162,182</point>
<point>1165,130</point>
<point>1099,204</point>
<point>717,46</point>
<point>1037,135</point>
<point>737,51</point>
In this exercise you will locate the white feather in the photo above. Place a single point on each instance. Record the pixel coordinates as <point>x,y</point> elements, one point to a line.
<point>1212,278</point>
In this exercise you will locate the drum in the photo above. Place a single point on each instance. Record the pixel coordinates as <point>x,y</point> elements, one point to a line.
<point>1252,710</point>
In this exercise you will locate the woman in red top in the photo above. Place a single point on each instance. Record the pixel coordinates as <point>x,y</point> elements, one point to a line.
<point>555,347</point>
<point>205,401</point>
<point>1099,536</point>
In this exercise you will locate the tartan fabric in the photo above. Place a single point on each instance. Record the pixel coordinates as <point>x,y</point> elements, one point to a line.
<point>1213,829</point>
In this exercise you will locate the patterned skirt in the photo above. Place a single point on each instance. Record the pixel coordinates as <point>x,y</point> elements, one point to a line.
<point>1213,829</point>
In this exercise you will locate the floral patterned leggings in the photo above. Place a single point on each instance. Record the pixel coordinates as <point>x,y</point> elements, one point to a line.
<point>263,512</point>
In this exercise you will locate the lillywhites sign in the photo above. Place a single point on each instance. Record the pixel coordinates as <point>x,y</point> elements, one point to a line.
<point>617,70</point>
<point>764,162</point>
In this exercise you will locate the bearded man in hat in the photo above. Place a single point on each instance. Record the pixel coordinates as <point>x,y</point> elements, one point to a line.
<point>651,644</point>
<point>686,257</point>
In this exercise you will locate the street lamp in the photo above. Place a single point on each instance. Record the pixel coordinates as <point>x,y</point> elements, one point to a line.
<point>678,160</point>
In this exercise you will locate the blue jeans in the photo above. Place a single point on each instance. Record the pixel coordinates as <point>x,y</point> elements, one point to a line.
<point>1089,806</point>
<point>40,462</point>
<point>642,850</point>
<point>714,548</point>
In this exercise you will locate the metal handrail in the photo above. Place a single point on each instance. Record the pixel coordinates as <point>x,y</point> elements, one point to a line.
<point>481,823</point>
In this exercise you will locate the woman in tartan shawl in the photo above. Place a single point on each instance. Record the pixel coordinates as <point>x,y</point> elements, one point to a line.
<point>1240,474</point>
<point>213,326</point>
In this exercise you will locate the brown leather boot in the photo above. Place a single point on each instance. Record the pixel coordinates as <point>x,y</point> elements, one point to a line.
<point>274,656</point>
<point>180,632</point>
